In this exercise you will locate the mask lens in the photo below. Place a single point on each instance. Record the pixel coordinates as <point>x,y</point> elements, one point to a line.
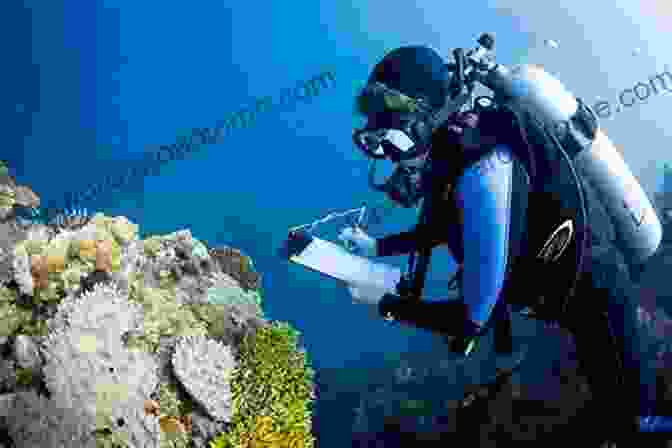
<point>394,144</point>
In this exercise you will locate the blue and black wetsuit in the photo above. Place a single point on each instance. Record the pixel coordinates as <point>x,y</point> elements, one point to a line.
<point>480,219</point>
<point>475,216</point>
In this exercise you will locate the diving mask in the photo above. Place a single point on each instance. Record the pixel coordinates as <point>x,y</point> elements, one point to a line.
<point>398,126</point>
<point>393,144</point>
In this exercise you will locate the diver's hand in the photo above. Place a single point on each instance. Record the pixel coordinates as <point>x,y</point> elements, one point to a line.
<point>360,243</point>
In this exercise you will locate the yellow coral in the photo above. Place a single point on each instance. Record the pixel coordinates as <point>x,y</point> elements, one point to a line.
<point>56,254</point>
<point>56,263</point>
<point>87,250</point>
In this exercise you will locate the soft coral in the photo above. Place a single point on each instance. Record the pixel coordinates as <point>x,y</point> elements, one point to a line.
<point>39,268</point>
<point>104,256</point>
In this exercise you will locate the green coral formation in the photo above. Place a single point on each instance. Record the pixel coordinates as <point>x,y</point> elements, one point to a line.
<point>26,377</point>
<point>119,228</point>
<point>17,319</point>
<point>7,198</point>
<point>168,401</point>
<point>34,246</point>
<point>152,246</point>
<point>213,316</point>
<point>272,393</point>
<point>106,438</point>
<point>163,317</point>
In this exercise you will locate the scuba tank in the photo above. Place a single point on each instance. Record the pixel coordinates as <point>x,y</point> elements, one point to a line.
<point>531,90</point>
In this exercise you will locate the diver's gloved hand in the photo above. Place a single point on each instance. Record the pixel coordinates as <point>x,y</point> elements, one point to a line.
<point>360,243</point>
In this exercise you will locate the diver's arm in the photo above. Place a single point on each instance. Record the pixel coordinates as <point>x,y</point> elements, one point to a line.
<point>484,196</point>
<point>407,242</point>
<point>397,244</point>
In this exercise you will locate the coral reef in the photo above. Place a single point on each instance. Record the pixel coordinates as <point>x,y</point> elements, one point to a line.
<point>110,340</point>
<point>204,368</point>
<point>279,412</point>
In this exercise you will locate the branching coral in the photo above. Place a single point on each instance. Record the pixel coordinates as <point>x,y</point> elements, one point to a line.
<point>272,393</point>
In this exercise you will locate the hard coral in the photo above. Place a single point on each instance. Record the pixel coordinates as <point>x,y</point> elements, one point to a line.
<point>104,255</point>
<point>204,368</point>
<point>163,317</point>
<point>109,385</point>
<point>55,263</point>
<point>239,266</point>
<point>123,230</point>
<point>151,407</point>
<point>87,249</point>
<point>39,269</point>
<point>25,197</point>
<point>272,393</point>
<point>7,200</point>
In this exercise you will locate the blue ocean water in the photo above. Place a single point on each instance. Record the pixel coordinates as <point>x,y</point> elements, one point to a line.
<point>101,83</point>
<point>92,86</point>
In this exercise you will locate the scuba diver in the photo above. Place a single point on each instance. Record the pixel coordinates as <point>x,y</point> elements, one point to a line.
<point>505,182</point>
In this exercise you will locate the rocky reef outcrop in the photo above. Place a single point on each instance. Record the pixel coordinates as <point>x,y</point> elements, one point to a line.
<point>110,340</point>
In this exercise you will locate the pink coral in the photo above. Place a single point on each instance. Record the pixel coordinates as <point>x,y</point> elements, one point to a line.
<point>104,256</point>
<point>39,268</point>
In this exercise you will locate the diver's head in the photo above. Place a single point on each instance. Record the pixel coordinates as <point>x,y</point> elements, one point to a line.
<point>405,88</point>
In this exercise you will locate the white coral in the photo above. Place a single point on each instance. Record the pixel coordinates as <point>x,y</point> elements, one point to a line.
<point>89,371</point>
<point>36,421</point>
<point>22,274</point>
<point>204,368</point>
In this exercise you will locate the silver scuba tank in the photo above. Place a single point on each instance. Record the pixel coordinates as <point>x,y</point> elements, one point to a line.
<point>531,88</point>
